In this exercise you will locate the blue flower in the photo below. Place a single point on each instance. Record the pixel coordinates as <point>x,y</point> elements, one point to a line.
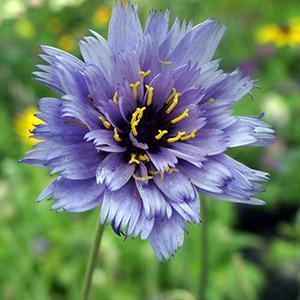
<point>141,125</point>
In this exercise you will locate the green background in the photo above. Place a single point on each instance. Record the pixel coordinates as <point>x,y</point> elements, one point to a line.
<point>253,252</point>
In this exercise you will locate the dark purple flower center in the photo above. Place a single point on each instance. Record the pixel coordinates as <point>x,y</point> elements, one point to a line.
<point>150,128</point>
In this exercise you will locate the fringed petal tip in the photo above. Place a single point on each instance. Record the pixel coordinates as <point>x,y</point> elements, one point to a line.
<point>167,237</point>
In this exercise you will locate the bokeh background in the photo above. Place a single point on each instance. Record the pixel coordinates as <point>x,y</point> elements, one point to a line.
<point>253,252</point>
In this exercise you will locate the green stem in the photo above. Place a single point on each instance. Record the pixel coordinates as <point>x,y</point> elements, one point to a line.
<point>204,250</point>
<point>92,261</point>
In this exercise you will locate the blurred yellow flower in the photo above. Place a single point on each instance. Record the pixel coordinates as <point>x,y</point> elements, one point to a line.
<point>24,124</point>
<point>67,43</point>
<point>102,16</point>
<point>25,29</point>
<point>280,35</point>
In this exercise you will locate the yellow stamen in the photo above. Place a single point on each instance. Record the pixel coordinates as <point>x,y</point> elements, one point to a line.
<point>142,178</point>
<point>115,98</point>
<point>105,123</point>
<point>138,114</point>
<point>211,100</point>
<point>181,117</point>
<point>161,174</point>
<point>144,157</point>
<point>134,87</point>
<point>173,105</point>
<point>144,74</point>
<point>177,137</point>
<point>136,118</point>
<point>116,136</point>
<point>189,136</point>
<point>133,159</point>
<point>171,96</point>
<point>171,170</point>
<point>160,134</point>
<point>165,63</point>
<point>133,128</point>
<point>150,94</point>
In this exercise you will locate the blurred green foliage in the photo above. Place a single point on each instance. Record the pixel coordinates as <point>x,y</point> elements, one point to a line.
<point>253,251</point>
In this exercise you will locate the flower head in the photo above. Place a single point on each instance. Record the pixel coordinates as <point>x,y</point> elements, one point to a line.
<point>141,126</point>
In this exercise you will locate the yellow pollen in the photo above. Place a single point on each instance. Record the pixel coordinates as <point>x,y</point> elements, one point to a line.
<point>136,118</point>
<point>105,123</point>
<point>138,114</point>
<point>144,74</point>
<point>133,128</point>
<point>185,114</point>
<point>115,98</point>
<point>211,100</point>
<point>173,105</point>
<point>134,87</point>
<point>144,157</point>
<point>171,96</point>
<point>150,94</point>
<point>189,136</point>
<point>177,137</point>
<point>160,134</point>
<point>171,170</point>
<point>142,178</point>
<point>165,63</point>
<point>161,174</point>
<point>116,136</point>
<point>133,159</point>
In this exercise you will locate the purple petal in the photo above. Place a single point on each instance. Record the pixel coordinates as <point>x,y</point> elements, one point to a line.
<point>188,152</point>
<point>249,131</point>
<point>149,60</point>
<point>63,134</point>
<point>167,236</point>
<point>127,104</point>
<point>174,36</point>
<point>96,51</point>
<point>154,202</point>
<point>175,186</point>
<point>224,178</point>
<point>215,143</point>
<point>162,158</point>
<point>162,85</point>
<point>199,44</point>
<point>74,195</point>
<point>229,88</point>
<point>114,171</point>
<point>123,208</point>
<point>185,76</point>
<point>157,25</point>
<point>82,112</point>
<point>125,30</point>
<point>99,87</point>
<point>77,162</point>
<point>143,226</point>
<point>189,211</point>
<point>136,143</point>
<point>104,140</point>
